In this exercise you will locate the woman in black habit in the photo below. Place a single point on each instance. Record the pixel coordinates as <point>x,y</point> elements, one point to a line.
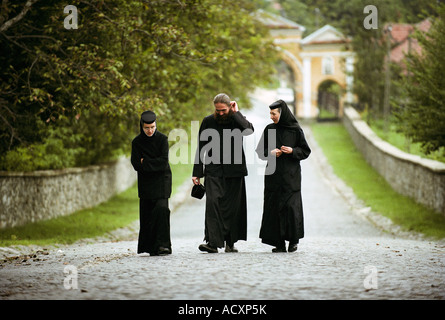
<point>149,157</point>
<point>282,209</point>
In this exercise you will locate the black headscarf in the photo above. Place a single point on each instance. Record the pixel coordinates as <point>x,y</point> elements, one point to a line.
<point>287,119</point>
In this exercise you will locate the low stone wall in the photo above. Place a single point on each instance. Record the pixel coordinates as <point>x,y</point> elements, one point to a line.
<point>33,196</point>
<point>419,178</point>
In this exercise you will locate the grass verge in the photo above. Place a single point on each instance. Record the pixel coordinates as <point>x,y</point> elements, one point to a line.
<point>118,212</point>
<point>349,165</point>
<point>400,141</point>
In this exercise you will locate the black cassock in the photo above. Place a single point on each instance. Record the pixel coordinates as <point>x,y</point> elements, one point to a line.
<point>282,208</point>
<point>154,189</point>
<point>222,163</point>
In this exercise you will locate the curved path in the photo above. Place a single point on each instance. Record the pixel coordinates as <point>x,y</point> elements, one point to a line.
<point>343,255</point>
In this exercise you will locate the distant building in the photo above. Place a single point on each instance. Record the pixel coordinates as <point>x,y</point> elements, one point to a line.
<point>320,57</point>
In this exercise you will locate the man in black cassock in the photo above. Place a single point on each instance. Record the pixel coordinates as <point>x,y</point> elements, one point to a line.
<point>220,159</point>
<point>149,157</point>
<point>282,209</point>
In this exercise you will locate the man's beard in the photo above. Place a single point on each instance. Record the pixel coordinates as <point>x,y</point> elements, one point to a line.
<point>225,118</point>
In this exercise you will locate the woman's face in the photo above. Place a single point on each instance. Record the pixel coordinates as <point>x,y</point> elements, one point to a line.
<point>274,115</point>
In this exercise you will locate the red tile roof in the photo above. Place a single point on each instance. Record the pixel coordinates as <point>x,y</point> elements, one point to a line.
<point>402,42</point>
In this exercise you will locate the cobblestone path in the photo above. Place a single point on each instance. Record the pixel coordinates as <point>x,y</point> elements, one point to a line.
<point>343,255</point>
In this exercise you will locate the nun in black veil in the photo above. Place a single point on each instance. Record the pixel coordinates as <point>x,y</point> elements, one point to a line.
<point>149,157</point>
<point>282,209</point>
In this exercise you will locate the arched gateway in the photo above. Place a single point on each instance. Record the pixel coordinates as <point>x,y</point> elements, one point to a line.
<point>314,59</point>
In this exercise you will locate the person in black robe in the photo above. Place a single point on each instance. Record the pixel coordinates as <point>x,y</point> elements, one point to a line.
<point>149,157</point>
<point>220,159</point>
<point>282,208</point>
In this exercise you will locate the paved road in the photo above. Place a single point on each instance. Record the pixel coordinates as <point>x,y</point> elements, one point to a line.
<point>343,255</point>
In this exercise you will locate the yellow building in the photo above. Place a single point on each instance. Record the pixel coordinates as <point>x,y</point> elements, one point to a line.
<point>316,61</point>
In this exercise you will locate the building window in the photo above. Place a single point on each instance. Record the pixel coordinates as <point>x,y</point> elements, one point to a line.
<point>327,65</point>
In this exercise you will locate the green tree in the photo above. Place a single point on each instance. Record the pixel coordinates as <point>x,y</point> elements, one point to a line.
<point>420,111</point>
<point>83,89</point>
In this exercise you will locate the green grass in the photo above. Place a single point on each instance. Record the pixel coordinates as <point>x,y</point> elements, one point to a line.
<point>400,141</point>
<point>119,211</point>
<point>349,165</point>
<point>326,114</point>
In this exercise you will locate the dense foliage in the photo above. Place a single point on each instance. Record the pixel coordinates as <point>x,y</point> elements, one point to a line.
<point>72,97</point>
<point>421,108</point>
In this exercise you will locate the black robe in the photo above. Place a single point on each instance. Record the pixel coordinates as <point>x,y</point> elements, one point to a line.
<point>154,189</point>
<point>282,208</point>
<point>154,174</point>
<point>223,164</point>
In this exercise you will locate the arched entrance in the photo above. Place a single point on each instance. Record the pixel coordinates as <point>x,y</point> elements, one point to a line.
<point>320,56</point>
<point>328,100</point>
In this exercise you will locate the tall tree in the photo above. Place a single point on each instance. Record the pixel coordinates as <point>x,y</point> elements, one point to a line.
<point>421,109</point>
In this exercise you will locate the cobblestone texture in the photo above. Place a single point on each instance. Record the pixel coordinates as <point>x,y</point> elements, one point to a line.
<point>343,255</point>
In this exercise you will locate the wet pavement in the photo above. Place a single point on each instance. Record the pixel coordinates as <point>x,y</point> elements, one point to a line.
<point>347,253</point>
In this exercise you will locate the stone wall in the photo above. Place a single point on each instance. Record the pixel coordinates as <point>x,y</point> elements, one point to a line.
<point>33,196</point>
<point>419,178</point>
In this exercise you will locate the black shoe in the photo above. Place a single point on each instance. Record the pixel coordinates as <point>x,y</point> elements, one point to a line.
<point>162,251</point>
<point>230,248</point>
<point>279,249</point>
<point>292,247</point>
<point>207,248</point>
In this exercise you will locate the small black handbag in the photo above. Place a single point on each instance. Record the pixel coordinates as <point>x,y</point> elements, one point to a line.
<point>198,191</point>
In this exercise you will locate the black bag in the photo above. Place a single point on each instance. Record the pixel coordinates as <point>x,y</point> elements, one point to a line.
<point>198,191</point>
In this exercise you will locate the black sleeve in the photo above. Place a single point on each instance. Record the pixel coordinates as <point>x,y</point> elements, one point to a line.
<point>302,150</point>
<point>198,166</point>
<point>243,124</point>
<point>136,156</point>
<point>154,164</point>
<point>262,147</point>
<point>159,163</point>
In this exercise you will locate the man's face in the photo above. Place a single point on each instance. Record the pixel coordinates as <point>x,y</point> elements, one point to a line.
<point>223,113</point>
<point>149,128</point>
<point>221,109</point>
